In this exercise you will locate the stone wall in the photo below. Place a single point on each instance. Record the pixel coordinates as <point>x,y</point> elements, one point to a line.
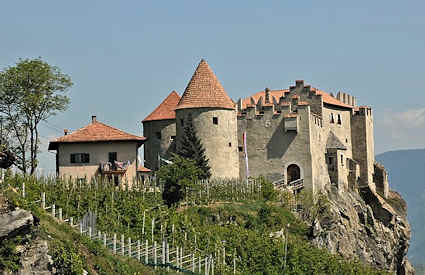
<point>380,178</point>
<point>271,149</point>
<point>219,140</point>
<point>161,140</point>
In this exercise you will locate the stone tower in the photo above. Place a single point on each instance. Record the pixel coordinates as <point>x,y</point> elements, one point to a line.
<point>160,128</point>
<point>363,143</point>
<point>214,118</point>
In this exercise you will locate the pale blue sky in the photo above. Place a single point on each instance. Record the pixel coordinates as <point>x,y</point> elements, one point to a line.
<point>126,56</point>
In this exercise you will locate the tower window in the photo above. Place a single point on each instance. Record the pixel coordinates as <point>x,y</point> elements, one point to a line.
<point>158,135</point>
<point>215,120</point>
<point>339,119</point>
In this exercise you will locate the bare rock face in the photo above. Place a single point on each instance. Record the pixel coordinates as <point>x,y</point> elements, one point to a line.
<point>34,255</point>
<point>35,259</point>
<point>365,226</point>
<point>17,222</point>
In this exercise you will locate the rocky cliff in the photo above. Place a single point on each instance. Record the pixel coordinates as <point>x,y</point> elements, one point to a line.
<point>366,226</point>
<point>17,228</point>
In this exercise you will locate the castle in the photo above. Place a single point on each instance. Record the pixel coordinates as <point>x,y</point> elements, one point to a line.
<point>294,134</point>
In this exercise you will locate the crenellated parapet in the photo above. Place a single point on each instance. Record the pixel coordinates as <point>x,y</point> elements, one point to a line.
<point>261,108</point>
<point>363,111</point>
<point>346,98</point>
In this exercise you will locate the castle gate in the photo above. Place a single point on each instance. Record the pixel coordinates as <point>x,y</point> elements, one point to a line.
<point>293,172</point>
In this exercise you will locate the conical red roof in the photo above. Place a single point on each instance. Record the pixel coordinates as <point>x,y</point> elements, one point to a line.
<point>204,90</point>
<point>165,110</point>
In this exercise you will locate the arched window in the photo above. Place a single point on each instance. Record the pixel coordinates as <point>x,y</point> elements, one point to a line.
<point>332,118</point>
<point>293,172</point>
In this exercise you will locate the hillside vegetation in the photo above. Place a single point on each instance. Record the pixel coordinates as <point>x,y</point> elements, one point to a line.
<point>228,217</point>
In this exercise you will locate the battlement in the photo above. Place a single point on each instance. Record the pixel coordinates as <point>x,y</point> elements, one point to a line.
<point>273,109</point>
<point>363,111</point>
<point>346,98</point>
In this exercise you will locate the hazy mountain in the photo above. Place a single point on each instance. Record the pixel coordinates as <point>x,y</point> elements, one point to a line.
<point>406,170</point>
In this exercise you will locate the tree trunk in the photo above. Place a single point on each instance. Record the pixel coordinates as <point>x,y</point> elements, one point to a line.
<point>34,161</point>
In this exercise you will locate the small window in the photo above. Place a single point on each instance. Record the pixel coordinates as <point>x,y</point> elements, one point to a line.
<point>339,119</point>
<point>230,144</point>
<point>330,160</point>
<point>342,160</point>
<point>182,122</point>
<point>112,156</point>
<point>215,120</point>
<point>80,158</point>
<point>240,148</point>
<point>158,135</point>
<point>346,140</point>
<point>332,118</point>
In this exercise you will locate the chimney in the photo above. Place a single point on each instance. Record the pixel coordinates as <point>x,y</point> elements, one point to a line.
<point>65,131</point>
<point>93,119</point>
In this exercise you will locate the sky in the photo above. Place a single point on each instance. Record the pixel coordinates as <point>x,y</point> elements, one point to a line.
<point>125,57</point>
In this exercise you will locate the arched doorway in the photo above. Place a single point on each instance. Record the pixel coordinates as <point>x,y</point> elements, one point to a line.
<point>293,172</point>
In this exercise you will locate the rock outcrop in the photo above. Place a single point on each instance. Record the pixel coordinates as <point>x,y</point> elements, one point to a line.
<point>363,225</point>
<point>17,222</point>
<point>34,258</point>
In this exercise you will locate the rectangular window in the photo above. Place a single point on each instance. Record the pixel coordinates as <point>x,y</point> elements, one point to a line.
<point>158,135</point>
<point>112,156</point>
<point>240,148</point>
<point>215,120</point>
<point>182,122</point>
<point>342,160</point>
<point>80,158</point>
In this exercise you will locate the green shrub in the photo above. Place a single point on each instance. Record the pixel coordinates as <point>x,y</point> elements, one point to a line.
<point>66,259</point>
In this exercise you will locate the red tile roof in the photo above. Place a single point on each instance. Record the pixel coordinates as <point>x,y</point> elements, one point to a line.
<point>204,90</point>
<point>327,98</point>
<point>95,132</point>
<point>141,168</point>
<point>165,110</point>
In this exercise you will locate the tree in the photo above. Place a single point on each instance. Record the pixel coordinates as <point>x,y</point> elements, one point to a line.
<point>192,148</point>
<point>178,177</point>
<point>267,189</point>
<point>32,91</point>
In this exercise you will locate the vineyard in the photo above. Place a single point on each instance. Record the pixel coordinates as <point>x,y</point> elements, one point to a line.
<point>225,220</point>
